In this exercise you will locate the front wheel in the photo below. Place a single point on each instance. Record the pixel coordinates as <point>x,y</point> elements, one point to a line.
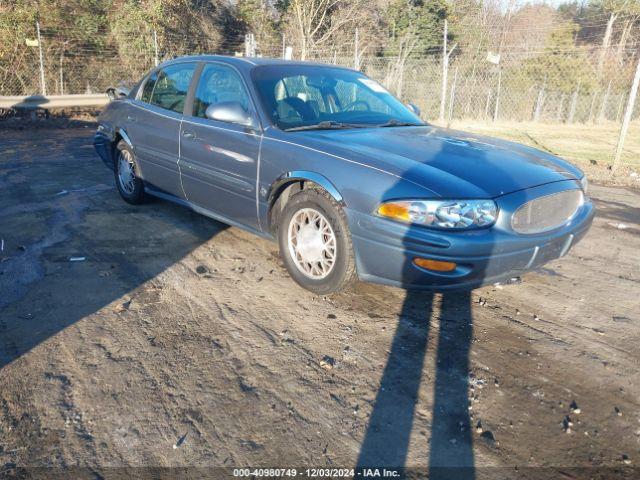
<point>130,186</point>
<point>315,244</point>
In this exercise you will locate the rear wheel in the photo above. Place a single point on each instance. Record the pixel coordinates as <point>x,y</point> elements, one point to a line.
<point>315,243</point>
<point>130,186</point>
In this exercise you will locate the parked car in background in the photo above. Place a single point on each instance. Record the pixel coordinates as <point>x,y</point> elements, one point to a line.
<point>348,179</point>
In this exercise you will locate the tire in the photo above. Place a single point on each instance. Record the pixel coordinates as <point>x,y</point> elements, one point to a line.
<point>131,191</point>
<point>329,274</point>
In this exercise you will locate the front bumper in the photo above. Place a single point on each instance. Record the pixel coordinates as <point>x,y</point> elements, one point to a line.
<point>385,249</point>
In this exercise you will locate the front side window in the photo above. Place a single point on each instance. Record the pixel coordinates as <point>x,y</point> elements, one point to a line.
<point>170,87</point>
<point>299,95</point>
<point>219,84</point>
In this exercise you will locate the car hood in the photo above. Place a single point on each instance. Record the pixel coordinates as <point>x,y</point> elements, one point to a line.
<point>447,162</point>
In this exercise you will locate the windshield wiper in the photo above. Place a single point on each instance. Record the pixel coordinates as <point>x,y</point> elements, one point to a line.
<point>326,125</point>
<point>394,122</point>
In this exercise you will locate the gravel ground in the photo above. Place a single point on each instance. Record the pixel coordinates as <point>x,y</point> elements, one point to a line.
<point>180,342</point>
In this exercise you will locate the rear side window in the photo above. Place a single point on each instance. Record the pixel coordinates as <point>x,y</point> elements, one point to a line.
<point>170,87</point>
<point>219,83</point>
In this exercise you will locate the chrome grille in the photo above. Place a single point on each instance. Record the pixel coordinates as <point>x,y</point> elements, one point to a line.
<point>548,212</point>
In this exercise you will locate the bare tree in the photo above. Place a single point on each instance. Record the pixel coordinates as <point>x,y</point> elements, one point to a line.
<point>630,20</point>
<point>606,41</point>
<point>315,22</point>
<point>395,70</point>
<point>626,10</point>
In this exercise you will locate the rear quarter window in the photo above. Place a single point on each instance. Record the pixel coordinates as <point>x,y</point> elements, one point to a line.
<point>148,88</point>
<point>168,87</point>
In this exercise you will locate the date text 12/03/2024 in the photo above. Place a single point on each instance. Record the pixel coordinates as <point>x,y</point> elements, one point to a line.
<point>317,472</point>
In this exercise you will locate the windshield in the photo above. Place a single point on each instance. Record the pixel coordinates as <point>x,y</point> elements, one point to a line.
<point>299,96</point>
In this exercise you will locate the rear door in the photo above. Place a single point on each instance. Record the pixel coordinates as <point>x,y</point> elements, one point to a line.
<point>153,126</point>
<point>219,160</point>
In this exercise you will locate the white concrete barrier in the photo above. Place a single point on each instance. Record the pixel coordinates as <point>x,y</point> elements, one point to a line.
<point>54,101</point>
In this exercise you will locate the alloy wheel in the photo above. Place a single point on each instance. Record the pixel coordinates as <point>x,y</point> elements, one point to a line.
<point>126,172</point>
<point>312,243</point>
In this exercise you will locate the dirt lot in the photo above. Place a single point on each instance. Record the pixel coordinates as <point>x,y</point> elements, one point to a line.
<point>178,342</point>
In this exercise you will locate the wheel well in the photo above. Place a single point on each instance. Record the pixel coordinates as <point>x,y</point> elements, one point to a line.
<point>282,195</point>
<point>114,146</point>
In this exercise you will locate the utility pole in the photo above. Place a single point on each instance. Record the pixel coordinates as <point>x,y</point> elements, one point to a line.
<point>539,102</point>
<point>43,86</point>
<point>627,117</point>
<point>249,45</point>
<point>356,57</point>
<point>284,48</point>
<point>61,90</point>
<point>445,68</point>
<point>452,96</point>
<point>155,46</point>
<point>603,108</point>
<point>497,105</point>
<point>574,103</point>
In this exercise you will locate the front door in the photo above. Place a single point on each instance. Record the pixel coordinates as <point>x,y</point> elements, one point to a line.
<point>219,160</point>
<point>153,125</point>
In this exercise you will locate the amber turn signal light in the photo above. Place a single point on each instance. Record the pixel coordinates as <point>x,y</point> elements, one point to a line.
<point>435,265</point>
<point>398,211</point>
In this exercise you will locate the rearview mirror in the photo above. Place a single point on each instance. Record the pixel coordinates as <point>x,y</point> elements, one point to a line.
<point>229,112</point>
<point>414,108</point>
<point>321,83</point>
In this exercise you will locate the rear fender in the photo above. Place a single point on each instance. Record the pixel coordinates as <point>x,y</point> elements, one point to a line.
<point>123,134</point>
<point>105,142</point>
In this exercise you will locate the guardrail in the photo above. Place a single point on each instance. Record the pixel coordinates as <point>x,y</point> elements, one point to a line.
<point>54,101</point>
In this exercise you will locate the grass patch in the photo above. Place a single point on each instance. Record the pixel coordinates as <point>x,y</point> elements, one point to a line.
<point>581,144</point>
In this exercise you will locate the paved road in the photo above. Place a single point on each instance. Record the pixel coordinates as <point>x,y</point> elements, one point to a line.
<point>181,342</point>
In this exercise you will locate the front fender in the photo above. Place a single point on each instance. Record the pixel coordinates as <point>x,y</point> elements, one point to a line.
<point>303,175</point>
<point>350,181</point>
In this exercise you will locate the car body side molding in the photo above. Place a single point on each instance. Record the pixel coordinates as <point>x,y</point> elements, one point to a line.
<point>206,212</point>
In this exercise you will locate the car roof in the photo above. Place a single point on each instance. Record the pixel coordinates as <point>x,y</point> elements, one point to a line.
<point>248,62</point>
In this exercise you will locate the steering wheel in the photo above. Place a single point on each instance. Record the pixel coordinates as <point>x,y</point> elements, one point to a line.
<point>175,104</point>
<point>352,106</point>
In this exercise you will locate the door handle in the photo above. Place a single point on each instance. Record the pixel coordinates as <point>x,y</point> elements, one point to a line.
<point>131,118</point>
<point>188,134</point>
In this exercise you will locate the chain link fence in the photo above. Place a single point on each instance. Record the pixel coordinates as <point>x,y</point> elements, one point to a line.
<point>495,95</point>
<point>555,88</point>
<point>71,68</point>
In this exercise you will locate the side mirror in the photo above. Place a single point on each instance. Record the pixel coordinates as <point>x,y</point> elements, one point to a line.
<point>229,112</point>
<point>114,93</point>
<point>414,108</point>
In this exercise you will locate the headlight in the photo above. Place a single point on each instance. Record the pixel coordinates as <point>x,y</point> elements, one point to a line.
<point>445,214</point>
<point>584,183</point>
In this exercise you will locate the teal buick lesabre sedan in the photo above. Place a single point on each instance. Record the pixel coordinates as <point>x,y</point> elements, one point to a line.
<point>349,180</point>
